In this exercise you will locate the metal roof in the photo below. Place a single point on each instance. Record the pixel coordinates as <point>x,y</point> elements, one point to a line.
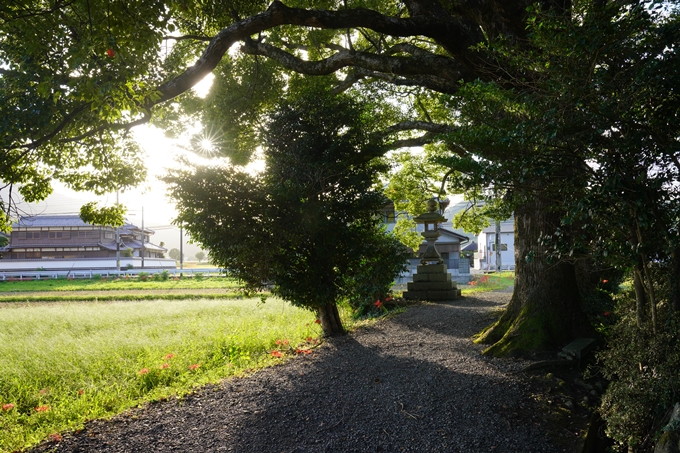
<point>44,221</point>
<point>49,221</point>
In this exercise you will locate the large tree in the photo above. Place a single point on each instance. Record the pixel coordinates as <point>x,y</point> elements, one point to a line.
<point>78,75</point>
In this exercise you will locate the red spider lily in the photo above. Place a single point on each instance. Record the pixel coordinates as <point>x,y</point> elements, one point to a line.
<point>378,304</point>
<point>484,279</point>
<point>318,321</point>
<point>165,365</point>
<point>55,437</point>
<point>110,52</point>
<point>8,407</point>
<point>277,354</point>
<point>388,299</point>
<point>306,351</point>
<point>473,283</point>
<point>81,391</point>
<point>194,366</point>
<point>605,281</point>
<point>309,339</point>
<point>44,391</point>
<point>278,342</point>
<point>606,313</point>
<point>143,371</point>
<point>170,356</point>
<point>285,342</point>
<point>42,408</point>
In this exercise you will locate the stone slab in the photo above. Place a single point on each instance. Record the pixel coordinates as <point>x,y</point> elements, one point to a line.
<point>431,286</point>
<point>431,269</point>
<point>579,348</point>
<point>432,277</point>
<point>450,294</point>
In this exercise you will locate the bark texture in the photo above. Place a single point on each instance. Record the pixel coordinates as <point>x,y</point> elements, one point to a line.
<point>545,311</point>
<point>330,320</point>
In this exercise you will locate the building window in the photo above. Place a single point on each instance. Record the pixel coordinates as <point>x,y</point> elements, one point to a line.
<point>108,235</point>
<point>59,234</point>
<point>29,235</point>
<point>88,234</point>
<point>389,217</point>
<point>504,247</point>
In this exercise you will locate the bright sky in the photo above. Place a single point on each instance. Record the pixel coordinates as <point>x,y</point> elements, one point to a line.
<point>160,153</point>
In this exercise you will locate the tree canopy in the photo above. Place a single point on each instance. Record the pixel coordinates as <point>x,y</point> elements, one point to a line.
<point>77,76</point>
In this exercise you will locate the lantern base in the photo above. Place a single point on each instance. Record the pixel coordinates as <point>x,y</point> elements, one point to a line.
<point>432,282</point>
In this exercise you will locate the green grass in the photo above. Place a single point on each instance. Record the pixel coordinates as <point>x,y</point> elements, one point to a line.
<point>489,282</point>
<point>114,296</point>
<point>115,284</point>
<point>93,360</point>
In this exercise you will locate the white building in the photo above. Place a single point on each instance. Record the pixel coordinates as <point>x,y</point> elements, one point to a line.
<point>485,258</point>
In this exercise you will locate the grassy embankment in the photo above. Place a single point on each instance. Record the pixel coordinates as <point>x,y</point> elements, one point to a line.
<point>65,363</point>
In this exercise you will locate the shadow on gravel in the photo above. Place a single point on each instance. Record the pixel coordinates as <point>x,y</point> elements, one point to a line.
<point>460,319</point>
<point>390,388</point>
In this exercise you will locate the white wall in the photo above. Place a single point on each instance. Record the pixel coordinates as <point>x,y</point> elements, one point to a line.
<point>85,264</point>
<point>485,258</point>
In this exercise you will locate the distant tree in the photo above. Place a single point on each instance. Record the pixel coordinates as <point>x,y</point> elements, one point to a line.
<point>126,252</point>
<point>200,256</point>
<point>3,241</point>
<point>309,225</point>
<point>174,254</point>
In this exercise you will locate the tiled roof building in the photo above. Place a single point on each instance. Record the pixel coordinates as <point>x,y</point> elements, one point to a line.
<point>68,237</point>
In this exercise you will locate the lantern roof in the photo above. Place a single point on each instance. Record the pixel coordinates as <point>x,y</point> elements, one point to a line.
<point>431,216</point>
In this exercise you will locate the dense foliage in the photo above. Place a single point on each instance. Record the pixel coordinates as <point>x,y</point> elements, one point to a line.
<point>308,225</point>
<point>588,125</point>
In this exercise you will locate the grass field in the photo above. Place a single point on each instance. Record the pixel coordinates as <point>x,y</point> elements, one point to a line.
<point>65,363</point>
<point>116,284</point>
<point>489,282</point>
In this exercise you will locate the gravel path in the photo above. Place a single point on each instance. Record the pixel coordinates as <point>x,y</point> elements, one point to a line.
<point>414,383</point>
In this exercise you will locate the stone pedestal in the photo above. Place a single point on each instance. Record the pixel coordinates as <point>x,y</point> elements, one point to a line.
<point>432,282</point>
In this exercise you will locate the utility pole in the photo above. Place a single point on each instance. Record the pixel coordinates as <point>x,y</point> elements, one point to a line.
<point>117,239</point>
<point>498,246</point>
<point>181,250</point>
<point>143,237</point>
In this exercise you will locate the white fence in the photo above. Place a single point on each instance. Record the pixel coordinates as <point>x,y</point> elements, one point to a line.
<point>46,275</point>
<point>87,268</point>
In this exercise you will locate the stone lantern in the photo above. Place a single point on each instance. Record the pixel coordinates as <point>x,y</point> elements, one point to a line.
<point>431,220</point>
<point>432,280</point>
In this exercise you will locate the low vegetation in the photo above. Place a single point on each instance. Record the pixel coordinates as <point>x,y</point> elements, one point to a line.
<point>489,282</point>
<point>65,363</point>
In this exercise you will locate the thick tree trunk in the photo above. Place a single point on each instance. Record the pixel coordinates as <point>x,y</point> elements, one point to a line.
<point>330,320</point>
<point>674,300</point>
<point>640,298</point>
<point>545,310</point>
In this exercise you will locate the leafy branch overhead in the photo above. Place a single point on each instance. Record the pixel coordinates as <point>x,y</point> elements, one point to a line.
<point>71,92</point>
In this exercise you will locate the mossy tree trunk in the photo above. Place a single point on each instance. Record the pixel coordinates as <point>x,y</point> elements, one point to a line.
<point>330,320</point>
<point>545,310</point>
